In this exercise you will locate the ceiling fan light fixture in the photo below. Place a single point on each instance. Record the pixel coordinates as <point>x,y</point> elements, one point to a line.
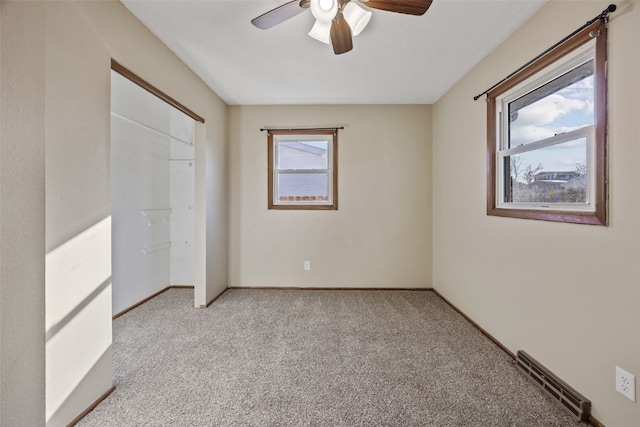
<point>324,10</point>
<point>356,17</point>
<point>321,31</point>
<point>326,5</point>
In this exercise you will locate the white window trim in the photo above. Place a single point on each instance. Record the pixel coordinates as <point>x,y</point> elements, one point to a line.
<point>572,60</point>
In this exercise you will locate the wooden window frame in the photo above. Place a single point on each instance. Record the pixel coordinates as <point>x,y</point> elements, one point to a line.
<point>599,215</point>
<point>271,173</point>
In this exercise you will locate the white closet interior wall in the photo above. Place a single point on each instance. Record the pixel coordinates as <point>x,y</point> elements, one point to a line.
<point>152,194</point>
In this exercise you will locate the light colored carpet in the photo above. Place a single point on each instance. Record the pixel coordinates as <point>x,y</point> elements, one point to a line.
<point>313,358</point>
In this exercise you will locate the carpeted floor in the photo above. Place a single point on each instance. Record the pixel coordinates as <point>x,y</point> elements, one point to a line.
<point>313,358</point>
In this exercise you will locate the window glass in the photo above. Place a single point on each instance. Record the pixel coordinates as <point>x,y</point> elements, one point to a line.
<point>553,174</point>
<point>303,187</point>
<point>546,148</point>
<point>302,169</point>
<point>560,106</point>
<point>303,154</point>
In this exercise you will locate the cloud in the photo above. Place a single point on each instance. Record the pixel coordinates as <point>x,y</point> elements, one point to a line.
<point>526,134</point>
<point>550,109</point>
<point>566,110</point>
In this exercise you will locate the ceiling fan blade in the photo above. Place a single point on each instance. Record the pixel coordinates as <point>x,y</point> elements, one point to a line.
<point>410,7</point>
<point>341,35</point>
<point>279,14</point>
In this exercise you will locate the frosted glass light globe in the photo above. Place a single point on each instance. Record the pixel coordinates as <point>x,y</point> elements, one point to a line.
<point>326,5</point>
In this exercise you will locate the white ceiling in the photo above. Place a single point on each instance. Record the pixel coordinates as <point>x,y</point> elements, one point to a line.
<point>397,59</point>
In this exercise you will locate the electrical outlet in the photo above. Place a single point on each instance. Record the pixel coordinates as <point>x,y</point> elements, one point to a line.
<point>307,265</point>
<point>625,383</point>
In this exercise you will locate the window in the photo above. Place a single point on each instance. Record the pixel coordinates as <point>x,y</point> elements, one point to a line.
<point>547,135</point>
<point>303,172</point>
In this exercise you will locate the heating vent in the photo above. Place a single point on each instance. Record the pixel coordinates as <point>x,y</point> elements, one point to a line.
<point>575,403</point>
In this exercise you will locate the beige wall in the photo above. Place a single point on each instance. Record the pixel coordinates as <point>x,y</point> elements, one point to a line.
<point>132,45</point>
<point>55,68</point>
<point>380,236</point>
<point>567,294</point>
<point>22,232</point>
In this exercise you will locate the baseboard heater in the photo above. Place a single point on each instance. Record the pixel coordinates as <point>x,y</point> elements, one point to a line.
<point>575,403</point>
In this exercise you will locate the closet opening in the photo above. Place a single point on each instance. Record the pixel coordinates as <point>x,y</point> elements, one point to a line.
<point>153,203</point>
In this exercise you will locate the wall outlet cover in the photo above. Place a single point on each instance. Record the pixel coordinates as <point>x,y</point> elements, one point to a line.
<point>625,383</point>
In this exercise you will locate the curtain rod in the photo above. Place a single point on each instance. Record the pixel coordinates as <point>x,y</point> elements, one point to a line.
<point>311,128</point>
<point>603,16</point>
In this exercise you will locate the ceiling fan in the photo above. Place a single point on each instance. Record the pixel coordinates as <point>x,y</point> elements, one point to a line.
<point>338,20</point>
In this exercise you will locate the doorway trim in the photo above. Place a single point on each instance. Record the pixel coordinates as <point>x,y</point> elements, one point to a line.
<point>124,71</point>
